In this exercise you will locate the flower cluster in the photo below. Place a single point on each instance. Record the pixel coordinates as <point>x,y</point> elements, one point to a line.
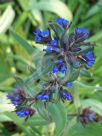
<point>69,51</point>
<point>67,48</point>
<point>23,103</point>
<point>88,115</point>
<point>18,97</point>
<point>20,101</point>
<point>59,67</point>
<point>48,94</point>
<point>42,37</point>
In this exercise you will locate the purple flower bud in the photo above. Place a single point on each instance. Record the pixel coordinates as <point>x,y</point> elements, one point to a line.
<point>45,33</point>
<point>65,95</point>
<point>44,96</point>
<point>18,97</point>
<point>55,70</point>
<point>63,22</point>
<point>37,39</point>
<point>63,69</point>
<point>60,62</point>
<point>56,50</point>
<point>69,85</point>
<point>81,34</point>
<point>38,32</point>
<point>89,55</point>
<point>91,117</point>
<point>49,49</point>
<point>90,63</point>
<point>26,112</point>
<point>53,43</point>
<point>90,59</point>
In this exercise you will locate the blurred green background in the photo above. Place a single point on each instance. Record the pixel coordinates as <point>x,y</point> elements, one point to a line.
<point>18,20</point>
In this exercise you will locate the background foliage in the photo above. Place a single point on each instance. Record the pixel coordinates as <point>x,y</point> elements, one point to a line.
<point>20,58</point>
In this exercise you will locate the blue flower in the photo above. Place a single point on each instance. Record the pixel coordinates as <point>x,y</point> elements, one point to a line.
<point>37,39</point>
<point>69,85</point>
<point>91,117</point>
<point>18,97</point>
<point>50,49</point>
<point>59,21</point>
<point>55,70</point>
<point>38,36</point>
<point>54,43</point>
<point>26,112</point>
<point>38,32</point>
<point>90,59</point>
<point>43,36</point>
<point>56,50</point>
<point>90,63</point>
<point>63,22</point>
<point>65,95</point>
<point>81,34</point>
<point>89,55</point>
<point>45,33</point>
<point>59,67</point>
<point>15,103</point>
<point>63,69</point>
<point>44,96</point>
<point>60,62</point>
<point>22,113</point>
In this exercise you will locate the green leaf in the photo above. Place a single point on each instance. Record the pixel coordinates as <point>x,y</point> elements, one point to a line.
<point>20,122</point>
<point>21,19</point>
<point>24,4</point>
<point>90,130</point>
<point>82,85</point>
<point>96,37</point>
<point>59,116</point>
<point>5,20</point>
<point>95,9</point>
<point>70,124</point>
<point>37,120</point>
<point>94,104</point>
<point>43,111</point>
<point>52,6</point>
<point>98,50</point>
<point>4,118</point>
<point>23,43</point>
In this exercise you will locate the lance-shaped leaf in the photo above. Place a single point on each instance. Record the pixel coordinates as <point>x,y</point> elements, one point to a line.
<point>59,116</point>
<point>23,43</point>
